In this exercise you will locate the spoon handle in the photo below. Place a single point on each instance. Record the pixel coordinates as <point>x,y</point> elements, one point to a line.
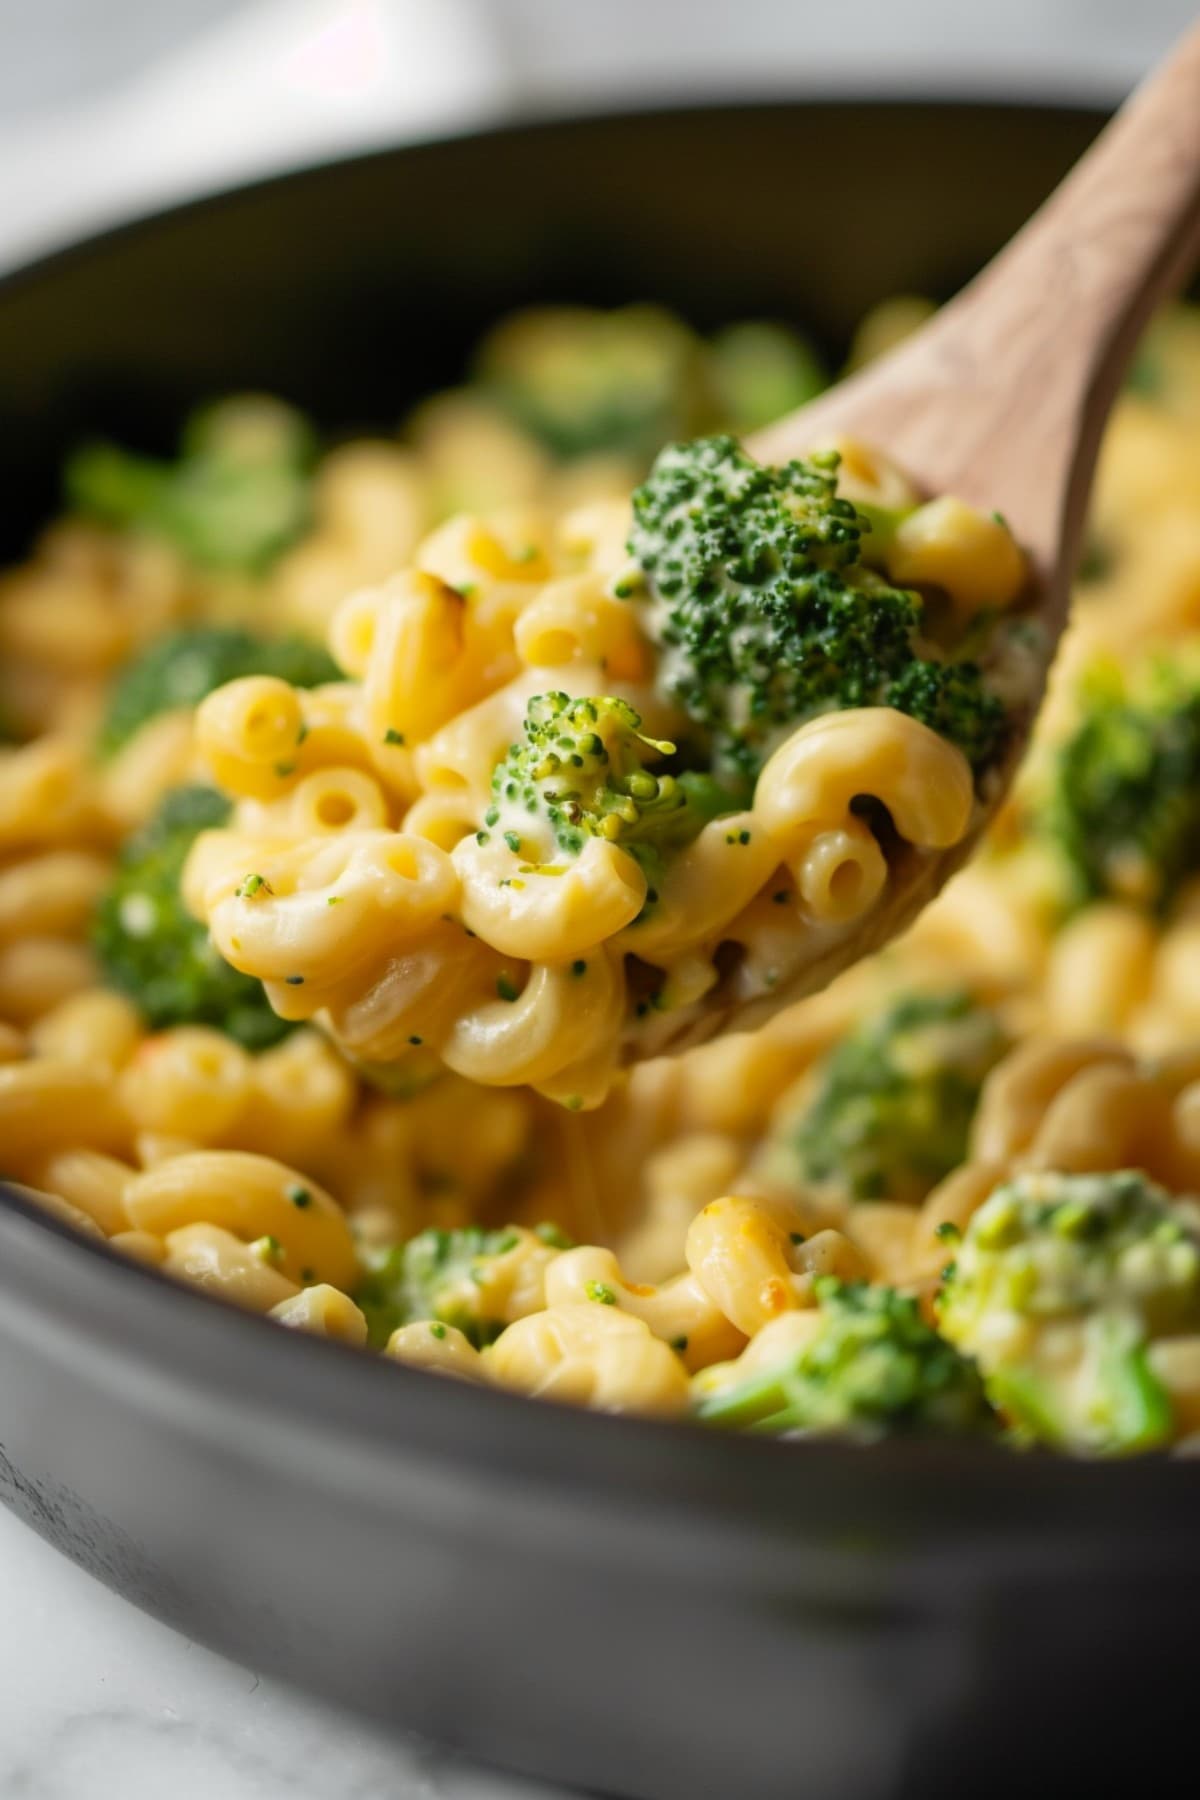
<point>1061,310</point>
<point>1003,396</point>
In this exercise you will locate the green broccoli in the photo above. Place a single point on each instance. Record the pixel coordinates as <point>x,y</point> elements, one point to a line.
<point>765,615</point>
<point>892,1104</point>
<point>1150,372</point>
<point>151,947</point>
<point>581,772</point>
<point>181,667</point>
<point>1097,559</point>
<point>871,1366</point>
<point>759,371</point>
<point>1122,803</point>
<point>466,1277</point>
<point>586,382</point>
<point>1058,1287</point>
<point>236,496</point>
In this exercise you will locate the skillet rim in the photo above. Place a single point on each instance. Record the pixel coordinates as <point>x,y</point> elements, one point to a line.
<point>549,123</point>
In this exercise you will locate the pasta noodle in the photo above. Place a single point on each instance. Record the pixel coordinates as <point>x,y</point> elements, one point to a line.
<point>456,978</point>
<point>452,660</point>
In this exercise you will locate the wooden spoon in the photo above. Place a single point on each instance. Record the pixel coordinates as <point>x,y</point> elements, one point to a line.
<point>1001,400</point>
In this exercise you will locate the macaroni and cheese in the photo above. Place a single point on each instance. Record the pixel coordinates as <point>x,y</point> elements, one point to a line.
<point>362,810</point>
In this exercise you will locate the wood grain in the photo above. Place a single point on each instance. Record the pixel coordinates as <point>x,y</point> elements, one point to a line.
<point>1002,398</point>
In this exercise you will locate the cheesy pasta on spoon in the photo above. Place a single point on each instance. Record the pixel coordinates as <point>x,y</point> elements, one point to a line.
<point>588,775</point>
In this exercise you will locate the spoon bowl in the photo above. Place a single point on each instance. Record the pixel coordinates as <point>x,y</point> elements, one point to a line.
<point>1001,400</point>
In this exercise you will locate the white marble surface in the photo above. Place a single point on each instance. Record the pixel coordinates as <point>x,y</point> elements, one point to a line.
<point>98,1702</point>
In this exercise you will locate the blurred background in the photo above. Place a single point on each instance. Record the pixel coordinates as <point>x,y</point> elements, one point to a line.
<point>108,107</point>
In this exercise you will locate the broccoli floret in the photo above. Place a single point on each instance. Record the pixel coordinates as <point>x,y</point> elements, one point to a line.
<point>759,371</point>
<point>181,667</point>
<point>235,497</point>
<point>466,1277</point>
<point>585,382</point>
<point>1097,559</point>
<point>1145,377</point>
<point>871,1365</point>
<point>151,947</point>
<point>951,699</point>
<point>581,772</point>
<point>1165,368</point>
<point>765,615</point>
<point>1122,804</point>
<point>892,1105</point>
<point>1058,1287</point>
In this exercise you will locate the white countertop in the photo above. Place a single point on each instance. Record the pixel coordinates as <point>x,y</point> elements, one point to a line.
<point>98,1702</point>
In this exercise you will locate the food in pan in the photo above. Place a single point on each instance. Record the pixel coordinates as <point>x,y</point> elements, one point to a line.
<point>260,692</point>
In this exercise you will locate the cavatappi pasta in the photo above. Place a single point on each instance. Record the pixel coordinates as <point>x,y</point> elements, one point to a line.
<point>952,1192</point>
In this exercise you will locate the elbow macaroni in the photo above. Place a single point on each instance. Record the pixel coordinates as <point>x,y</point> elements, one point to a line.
<point>356,868</point>
<point>435,978</point>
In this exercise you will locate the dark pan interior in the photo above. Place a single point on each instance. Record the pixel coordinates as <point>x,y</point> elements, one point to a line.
<point>355,289</point>
<point>640,1609</point>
